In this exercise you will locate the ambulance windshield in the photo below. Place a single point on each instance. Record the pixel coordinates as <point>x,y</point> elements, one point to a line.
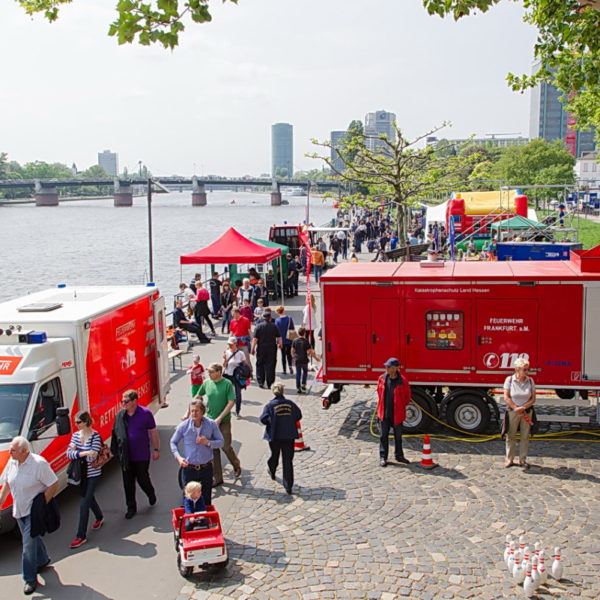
<point>13,404</point>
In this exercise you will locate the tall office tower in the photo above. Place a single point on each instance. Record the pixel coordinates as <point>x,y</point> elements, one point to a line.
<point>109,161</point>
<point>550,121</point>
<point>337,139</point>
<point>379,123</point>
<point>282,150</point>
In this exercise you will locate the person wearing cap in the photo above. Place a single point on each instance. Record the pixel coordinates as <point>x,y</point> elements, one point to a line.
<point>266,340</point>
<point>232,358</point>
<point>393,395</point>
<point>196,373</point>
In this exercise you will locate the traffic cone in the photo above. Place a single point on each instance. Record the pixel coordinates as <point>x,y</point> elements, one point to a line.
<point>426,460</point>
<point>299,444</point>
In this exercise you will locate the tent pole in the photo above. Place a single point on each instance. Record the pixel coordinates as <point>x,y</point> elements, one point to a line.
<point>281,280</point>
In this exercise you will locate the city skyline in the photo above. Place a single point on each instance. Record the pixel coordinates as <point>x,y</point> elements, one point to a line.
<point>211,102</point>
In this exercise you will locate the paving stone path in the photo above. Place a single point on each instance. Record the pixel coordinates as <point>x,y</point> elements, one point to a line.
<point>356,530</point>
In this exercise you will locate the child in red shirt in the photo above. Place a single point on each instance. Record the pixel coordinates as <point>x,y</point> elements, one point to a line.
<point>196,372</point>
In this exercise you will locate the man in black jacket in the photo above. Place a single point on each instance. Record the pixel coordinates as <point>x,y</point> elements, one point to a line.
<point>280,416</point>
<point>266,340</point>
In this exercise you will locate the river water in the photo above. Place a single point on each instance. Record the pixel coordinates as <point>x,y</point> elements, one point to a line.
<point>93,243</point>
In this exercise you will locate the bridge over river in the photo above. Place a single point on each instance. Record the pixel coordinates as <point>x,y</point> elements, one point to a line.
<point>45,192</point>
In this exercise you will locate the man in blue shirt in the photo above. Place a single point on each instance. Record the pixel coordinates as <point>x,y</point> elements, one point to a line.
<point>199,436</point>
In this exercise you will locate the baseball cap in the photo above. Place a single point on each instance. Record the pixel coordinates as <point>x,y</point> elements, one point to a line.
<point>232,340</point>
<point>391,362</point>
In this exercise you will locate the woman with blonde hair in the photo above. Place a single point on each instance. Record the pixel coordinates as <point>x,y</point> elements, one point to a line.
<point>519,396</point>
<point>310,319</point>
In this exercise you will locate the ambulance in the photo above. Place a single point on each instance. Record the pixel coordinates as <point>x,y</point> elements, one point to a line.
<point>457,328</point>
<point>69,349</point>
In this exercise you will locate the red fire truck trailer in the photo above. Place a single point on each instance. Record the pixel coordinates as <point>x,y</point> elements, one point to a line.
<point>457,328</point>
<point>77,348</point>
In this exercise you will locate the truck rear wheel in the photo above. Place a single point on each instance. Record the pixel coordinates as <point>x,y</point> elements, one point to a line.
<point>183,570</point>
<point>469,413</point>
<point>416,420</point>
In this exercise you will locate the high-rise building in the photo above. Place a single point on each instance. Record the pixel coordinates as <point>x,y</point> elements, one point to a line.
<point>109,161</point>
<point>282,150</point>
<point>379,123</point>
<point>550,121</point>
<point>337,141</point>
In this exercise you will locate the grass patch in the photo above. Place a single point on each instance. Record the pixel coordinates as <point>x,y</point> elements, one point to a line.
<point>589,231</point>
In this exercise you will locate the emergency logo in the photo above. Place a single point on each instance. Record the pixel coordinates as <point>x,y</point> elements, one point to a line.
<point>125,330</point>
<point>491,360</point>
<point>9,364</point>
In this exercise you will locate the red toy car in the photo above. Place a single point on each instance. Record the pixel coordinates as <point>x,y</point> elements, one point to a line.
<point>199,540</point>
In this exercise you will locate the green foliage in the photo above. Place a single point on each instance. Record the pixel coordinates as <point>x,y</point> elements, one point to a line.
<point>3,165</point>
<point>402,172</point>
<point>95,171</point>
<point>568,47</point>
<point>43,170</point>
<point>155,21</point>
<point>537,163</point>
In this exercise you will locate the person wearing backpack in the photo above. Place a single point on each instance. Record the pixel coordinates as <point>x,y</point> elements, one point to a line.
<point>85,446</point>
<point>233,357</point>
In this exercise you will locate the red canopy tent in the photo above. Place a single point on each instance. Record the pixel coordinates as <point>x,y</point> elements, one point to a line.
<point>232,247</point>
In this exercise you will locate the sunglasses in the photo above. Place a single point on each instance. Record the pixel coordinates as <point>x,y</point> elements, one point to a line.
<point>126,401</point>
<point>78,422</point>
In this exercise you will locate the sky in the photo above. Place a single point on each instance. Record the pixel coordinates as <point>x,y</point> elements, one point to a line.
<point>70,91</point>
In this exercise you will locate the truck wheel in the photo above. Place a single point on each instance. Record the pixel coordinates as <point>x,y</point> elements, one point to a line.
<point>184,571</point>
<point>416,420</point>
<point>565,394</point>
<point>469,413</point>
<point>223,564</point>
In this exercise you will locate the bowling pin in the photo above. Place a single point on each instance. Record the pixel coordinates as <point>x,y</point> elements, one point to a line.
<point>518,572</point>
<point>557,567</point>
<point>537,546</point>
<point>521,542</point>
<point>528,584</point>
<point>534,571</point>
<point>526,554</point>
<point>507,546</point>
<point>542,568</point>
<point>510,563</point>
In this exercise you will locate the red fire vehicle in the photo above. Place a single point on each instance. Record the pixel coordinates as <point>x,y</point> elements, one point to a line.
<point>69,349</point>
<point>457,328</point>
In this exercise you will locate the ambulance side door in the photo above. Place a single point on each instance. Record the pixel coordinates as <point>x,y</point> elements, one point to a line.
<point>437,335</point>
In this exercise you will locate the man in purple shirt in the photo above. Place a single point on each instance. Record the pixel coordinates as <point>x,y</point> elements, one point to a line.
<point>132,433</point>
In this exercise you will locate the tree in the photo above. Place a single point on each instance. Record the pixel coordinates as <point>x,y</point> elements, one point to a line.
<point>145,22</point>
<point>568,48</point>
<point>537,163</point>
<point>94,171</point>
<point>44,170</point>
<point>403,172</point>
<point>3,165</point>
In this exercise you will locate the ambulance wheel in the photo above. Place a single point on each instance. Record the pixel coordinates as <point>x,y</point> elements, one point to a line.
<point>469,413</point>
<point>184,571</point>
<point>416,420</point>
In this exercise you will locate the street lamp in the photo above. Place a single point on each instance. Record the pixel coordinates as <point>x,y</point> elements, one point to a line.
<point>150,253</point>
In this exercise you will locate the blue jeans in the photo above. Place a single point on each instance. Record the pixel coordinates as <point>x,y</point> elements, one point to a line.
<point>34,551</point>
<point>301,373</point>
<point>216,304</point>
<point>226,319</point>
<point>87,502</point>
<point>318,269</point>
<point>237,388</point>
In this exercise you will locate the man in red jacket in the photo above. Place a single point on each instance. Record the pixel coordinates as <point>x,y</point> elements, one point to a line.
<point>393,393</point>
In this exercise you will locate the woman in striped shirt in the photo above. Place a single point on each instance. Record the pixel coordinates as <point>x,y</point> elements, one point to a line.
<point>85,444</point>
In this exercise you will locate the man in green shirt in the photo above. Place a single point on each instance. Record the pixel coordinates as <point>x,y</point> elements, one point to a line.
<point>220,399</point>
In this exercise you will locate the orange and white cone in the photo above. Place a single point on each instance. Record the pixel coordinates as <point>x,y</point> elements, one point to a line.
<point>299,444</point>
<point>426,460</point>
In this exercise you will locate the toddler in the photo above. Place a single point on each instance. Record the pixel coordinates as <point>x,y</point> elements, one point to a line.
<point>193,502</point>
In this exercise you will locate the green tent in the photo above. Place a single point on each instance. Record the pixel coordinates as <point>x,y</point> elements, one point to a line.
<point>284,252</point>
<point>517,222</point>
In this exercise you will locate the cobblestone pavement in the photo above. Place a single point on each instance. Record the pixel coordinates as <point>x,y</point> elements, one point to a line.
<point>356,530</point>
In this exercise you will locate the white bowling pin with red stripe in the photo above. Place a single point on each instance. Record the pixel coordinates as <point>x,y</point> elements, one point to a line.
<point>542,568</point>
<point>557,566</point>
<point>528,584</point>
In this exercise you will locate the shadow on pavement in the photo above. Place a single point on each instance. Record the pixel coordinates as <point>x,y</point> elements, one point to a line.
<point>232,575</point>
<point>561,473</point>
<point>54,588</point>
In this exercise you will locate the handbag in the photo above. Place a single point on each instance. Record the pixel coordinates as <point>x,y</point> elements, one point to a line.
<point>104,455</point>
<point>74,472</point>
<point>291,334</point>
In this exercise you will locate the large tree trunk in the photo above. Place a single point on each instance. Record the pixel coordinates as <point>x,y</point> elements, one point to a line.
<point>403,218</point>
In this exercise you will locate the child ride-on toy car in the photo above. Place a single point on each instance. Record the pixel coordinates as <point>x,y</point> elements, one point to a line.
<point>199,540</point>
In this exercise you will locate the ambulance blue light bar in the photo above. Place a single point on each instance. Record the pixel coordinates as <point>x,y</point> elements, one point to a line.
<point>36,337</point>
